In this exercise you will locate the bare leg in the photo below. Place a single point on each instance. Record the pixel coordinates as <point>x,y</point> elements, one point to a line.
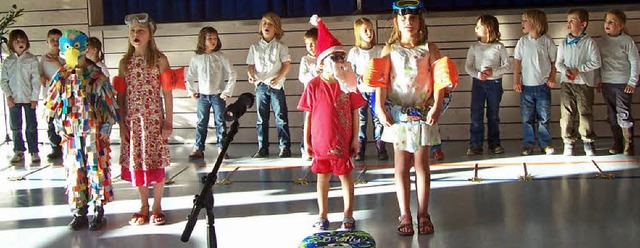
<point>323,194</point>
<point>144,199</point>
<point>158,190</point>
<point>402,165</point>
<point>347,194</point>
<point>423,188</point>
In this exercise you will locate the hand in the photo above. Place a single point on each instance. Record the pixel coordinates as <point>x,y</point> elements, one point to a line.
<point>195,95</point>
<point>124,132</point>
<point>488,71</point>
<point>224,97</point>
<point>432,116</point>
<point>274,81</point>
<point>252,78</point>
<point>355,145</point>
<point>551,83</point>
<point>385,119</point>
<point>167,128</point>
<point>34,104</point>
<point>10,102</point>
<point>64,137</point>
<point>517,86</point>
<point>629,89</point>
<point>43,81</point>
<point>599,87</point>
<point>482,76</point>
<point>309,148</point>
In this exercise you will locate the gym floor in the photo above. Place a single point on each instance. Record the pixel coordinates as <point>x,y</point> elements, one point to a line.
<point>566,205</point>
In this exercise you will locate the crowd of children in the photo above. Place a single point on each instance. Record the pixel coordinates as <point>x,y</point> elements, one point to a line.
<point>336,112</point>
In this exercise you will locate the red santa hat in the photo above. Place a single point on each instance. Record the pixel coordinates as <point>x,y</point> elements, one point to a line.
<point>326,43</point>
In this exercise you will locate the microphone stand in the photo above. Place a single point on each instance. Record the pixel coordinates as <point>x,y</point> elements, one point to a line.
<point>205,198</point>
<point>7,138</point>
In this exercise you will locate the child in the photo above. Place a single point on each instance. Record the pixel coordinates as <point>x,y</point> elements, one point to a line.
<point>331,121</point>
<point>619,77</point>
<point>145,126</point>
<point>95,54</point>
<point>578,58</point>
<point>359,57</point>
<point>487,60</point>
<point>268,62</point>
<point>20,84</point>
<point>534,75</point>
<point>409,110</point>
<point>85,129</point>
<point>210,67</point>
<point>308,71</point>
<point>50,63</point>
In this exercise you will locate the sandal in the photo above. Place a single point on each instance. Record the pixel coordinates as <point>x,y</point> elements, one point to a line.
<point>158,219</point>
<point>425,226</point>
<point>405,225</point>
<point>322,224</point>
<point>348,224</point>
<point>140,218</point>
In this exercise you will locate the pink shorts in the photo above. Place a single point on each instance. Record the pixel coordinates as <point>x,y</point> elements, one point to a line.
<point>339,167</point>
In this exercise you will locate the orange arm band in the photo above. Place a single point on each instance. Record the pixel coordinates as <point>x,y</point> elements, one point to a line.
<point>173,79</point>
<point>377,74</point>
<point>445,74</point>
<point>119,85</point>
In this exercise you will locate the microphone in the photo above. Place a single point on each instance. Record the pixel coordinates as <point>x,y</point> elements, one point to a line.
<point>237,109</point>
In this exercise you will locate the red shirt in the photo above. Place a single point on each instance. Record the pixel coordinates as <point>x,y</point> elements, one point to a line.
<point>331,117</point>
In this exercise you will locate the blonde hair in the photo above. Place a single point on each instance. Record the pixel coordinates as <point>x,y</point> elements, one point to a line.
<point>620,16</point>
<point>423,33</point>
<point>152,54</point>
<point>202,36</point>
<point>274,19</point>
<point>538,20</point>
<point>583,15</point>
<point>492,25</point>
<point>357,26</point>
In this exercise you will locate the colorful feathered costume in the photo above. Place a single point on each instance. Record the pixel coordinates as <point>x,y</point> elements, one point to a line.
<point>82,103</point>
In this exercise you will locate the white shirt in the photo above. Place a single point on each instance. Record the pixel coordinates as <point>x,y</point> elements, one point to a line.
<point>483,55</point>
<point>21,78</point>
<point>307,69</point>
<point>207,73</point>
<point>49,69</point>
<point>583,56</point>
<point>103,68</point>
<point>536,56</point>
<point>268,58</point>
<point>619,60</point>
<point>359,59</point>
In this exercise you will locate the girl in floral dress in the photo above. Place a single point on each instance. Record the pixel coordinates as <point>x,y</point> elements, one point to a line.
<point>145,125</point>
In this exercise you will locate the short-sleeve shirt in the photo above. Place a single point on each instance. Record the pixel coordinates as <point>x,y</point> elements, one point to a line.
<point>268,58</point>
<point>331,117</point>
<point>359,59</point>
<point>536,56</point>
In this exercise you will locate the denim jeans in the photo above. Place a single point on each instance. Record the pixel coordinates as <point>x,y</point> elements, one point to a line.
<point>618,105</point>
<point>54,138</point>
<point>535,105</point>
<point>275,98</point>
<point>205,103</point>
<point>363,114</point>
<point>15,119</point>
<point>487,92</point>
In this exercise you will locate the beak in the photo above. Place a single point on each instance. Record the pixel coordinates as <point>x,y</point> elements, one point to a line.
<point>71,57</point>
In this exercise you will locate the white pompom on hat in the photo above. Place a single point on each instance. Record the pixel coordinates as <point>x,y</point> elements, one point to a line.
<point>326,43</point>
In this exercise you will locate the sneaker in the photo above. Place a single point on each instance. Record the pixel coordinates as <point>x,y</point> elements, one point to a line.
<point>437,155</point>
<point>568,149</point>
<point>474,151</point>
<point>549,150</point>
<point>196,154</point>
<point>589,149</point>
<point>527,150</point>
<point>35,158</point>
<point>261,153</point>
<point>17,157</point>
<point>497,150</point>
<point>285,153</point>
<point>226,155</point>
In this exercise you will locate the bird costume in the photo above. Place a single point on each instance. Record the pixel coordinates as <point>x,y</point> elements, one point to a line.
<point>82,103</point>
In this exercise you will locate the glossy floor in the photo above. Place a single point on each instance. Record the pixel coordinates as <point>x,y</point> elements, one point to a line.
<point>564,207</point>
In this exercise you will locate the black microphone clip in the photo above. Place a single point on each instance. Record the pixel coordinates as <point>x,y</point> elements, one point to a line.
<point>237,109</point>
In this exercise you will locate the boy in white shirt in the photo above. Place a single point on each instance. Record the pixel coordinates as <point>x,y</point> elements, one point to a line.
<point>308,71</point>
<point>578,58</point>
<point>50,63</point>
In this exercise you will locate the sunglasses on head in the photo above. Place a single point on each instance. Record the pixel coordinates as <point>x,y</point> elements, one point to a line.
<point>408,7</point>
<point>338,57</point>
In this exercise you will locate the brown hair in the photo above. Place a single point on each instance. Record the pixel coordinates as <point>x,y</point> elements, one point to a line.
<point>202,36</point>
<point>17,34</point>
<point>423,33</point>
<point>311,33</point>
<point>274,19</point>
<point>620,16</point>
<point>357,26</point>
<point>152,54</point>
<point>492,25</point>
<point>54,31</point>
<point>538,20</point>
<point>97,44</point>
<point>583,15</point>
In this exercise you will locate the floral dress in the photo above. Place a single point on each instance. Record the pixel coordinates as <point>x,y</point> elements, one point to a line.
<point>409,99</point>
<point>146,153</point>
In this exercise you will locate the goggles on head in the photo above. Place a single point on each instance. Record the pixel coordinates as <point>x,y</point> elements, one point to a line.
<point>408,7</point>
<point>141,18</point>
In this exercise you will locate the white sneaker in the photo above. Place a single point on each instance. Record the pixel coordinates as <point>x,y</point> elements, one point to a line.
<point>35,158</point>
<point>17,157</point>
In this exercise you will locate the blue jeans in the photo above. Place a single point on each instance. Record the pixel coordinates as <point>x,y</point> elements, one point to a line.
<point>363,113</point>
<point>15,119</point>
<point>205,103</point>
<point>266,97</point>
<point>535,104</point>
<point>487,92</point>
